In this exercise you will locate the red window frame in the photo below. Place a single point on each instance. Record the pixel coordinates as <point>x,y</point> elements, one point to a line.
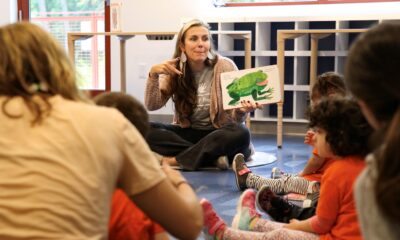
<point>304,2</point>
<point>24,15</point>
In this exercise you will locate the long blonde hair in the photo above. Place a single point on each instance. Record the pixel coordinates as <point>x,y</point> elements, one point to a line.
<point>35,67</point>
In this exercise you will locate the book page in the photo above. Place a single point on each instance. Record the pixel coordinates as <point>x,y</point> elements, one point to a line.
<point>261,85</point>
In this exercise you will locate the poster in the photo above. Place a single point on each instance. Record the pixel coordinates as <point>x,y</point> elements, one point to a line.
<point>115,11</point>
<point>259,84</point>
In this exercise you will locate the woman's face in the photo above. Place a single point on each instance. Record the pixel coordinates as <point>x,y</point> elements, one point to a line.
<point>320,143</point>
<point>196,44</point>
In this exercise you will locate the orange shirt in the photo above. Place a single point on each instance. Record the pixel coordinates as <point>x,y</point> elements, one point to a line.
<point>128,222</point>
<point>316,176</point>
<point>336,201</point>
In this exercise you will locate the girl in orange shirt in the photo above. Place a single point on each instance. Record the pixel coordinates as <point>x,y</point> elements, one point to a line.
<point>341,133</point>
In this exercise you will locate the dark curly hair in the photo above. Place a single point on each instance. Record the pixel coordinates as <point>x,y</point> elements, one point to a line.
<point>347,130</point>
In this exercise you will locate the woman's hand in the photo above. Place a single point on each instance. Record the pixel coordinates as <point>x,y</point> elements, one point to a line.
<point>167,67</point>
<point>249,106</point>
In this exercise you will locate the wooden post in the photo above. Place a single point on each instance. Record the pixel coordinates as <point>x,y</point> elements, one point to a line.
<point>247,65</point>
<point>281,68</point>
<point>122,58</point>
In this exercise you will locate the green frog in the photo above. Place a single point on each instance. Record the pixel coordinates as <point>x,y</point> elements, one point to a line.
<point>249,84</point>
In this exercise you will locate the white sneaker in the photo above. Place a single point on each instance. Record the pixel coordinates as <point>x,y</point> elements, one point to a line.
<point>276,173</point>
<point>222,163</point>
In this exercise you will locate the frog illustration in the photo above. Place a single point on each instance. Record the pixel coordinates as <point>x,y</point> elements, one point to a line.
<point>250,84</point>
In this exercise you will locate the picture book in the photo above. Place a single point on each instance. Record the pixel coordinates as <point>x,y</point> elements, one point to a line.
<point>303,200</point>
<point>259,85</point>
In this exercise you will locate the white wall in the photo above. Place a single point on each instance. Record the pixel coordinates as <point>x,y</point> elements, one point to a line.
<point>167,15</point>
<point>8,11</point>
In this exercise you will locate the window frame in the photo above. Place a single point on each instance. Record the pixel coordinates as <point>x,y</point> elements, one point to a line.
<point>254,4</point>
<point>23,14</point>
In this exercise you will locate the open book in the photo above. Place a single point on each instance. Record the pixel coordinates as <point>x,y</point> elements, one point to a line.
<point>303,200</point>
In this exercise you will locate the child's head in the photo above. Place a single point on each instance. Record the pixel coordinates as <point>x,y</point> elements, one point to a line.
<point>339,122</point>
<point>328,84</point>
<point>130,107</point>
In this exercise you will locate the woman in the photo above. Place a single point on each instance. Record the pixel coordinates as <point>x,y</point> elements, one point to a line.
<point>372,76</point>
<point>61,159</point>
<point>202,133</point>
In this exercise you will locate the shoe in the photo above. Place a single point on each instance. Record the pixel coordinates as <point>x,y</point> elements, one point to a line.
<point>222,163</point>
<point>245,211</point>
<point>212,222</point>
<point>276,173</point>
<point>241,171</point>
<point>275,206</point>
<point>313,187</point>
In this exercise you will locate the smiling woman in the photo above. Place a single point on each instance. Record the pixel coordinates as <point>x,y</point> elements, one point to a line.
<point>203,133</point>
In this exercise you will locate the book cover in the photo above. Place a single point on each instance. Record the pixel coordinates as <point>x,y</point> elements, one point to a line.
<point>259,84</point>
<point>303,200</point>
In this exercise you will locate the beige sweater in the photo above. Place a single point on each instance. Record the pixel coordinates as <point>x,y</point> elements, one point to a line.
<point>154,99</point>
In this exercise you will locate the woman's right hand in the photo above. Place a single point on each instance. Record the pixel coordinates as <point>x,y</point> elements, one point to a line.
<point>167,67</point>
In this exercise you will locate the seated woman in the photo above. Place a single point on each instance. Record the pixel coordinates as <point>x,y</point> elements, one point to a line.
<point>62,157</point>
<point>202,133</point>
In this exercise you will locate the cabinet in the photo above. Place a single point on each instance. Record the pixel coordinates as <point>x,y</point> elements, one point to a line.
<point>332,52</point>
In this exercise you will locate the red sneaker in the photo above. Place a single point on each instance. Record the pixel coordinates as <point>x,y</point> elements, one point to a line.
<point>212,222</point>
<point>246,210</point>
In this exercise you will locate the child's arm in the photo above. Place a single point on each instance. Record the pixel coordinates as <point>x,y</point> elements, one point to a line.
<point>303,225</point>
<point>314,163</point>
<point>314,224</point>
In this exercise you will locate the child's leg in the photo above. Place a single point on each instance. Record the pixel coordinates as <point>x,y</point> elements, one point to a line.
<point>277,234</point>
<point>282,185</point>
<point>247,224</point>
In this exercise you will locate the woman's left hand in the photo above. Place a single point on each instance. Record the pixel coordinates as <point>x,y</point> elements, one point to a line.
<point>249,106</point>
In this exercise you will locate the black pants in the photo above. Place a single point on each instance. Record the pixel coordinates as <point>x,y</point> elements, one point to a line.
<point>195,148</point>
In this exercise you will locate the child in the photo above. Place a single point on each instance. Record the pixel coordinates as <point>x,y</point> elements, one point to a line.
<point>127,221</point>
<point>328,84</point>
<point>341,134</point>
<point>372,77</point>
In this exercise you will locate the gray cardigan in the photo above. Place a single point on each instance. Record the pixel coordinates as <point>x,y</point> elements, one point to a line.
<point>374,225</point>
<point>155,99</point>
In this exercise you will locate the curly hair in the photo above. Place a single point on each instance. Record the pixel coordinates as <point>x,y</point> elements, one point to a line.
<point>347,130</point>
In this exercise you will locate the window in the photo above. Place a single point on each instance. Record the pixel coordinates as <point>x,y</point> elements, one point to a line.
<point>233,3</point>
<point>62,16</point>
